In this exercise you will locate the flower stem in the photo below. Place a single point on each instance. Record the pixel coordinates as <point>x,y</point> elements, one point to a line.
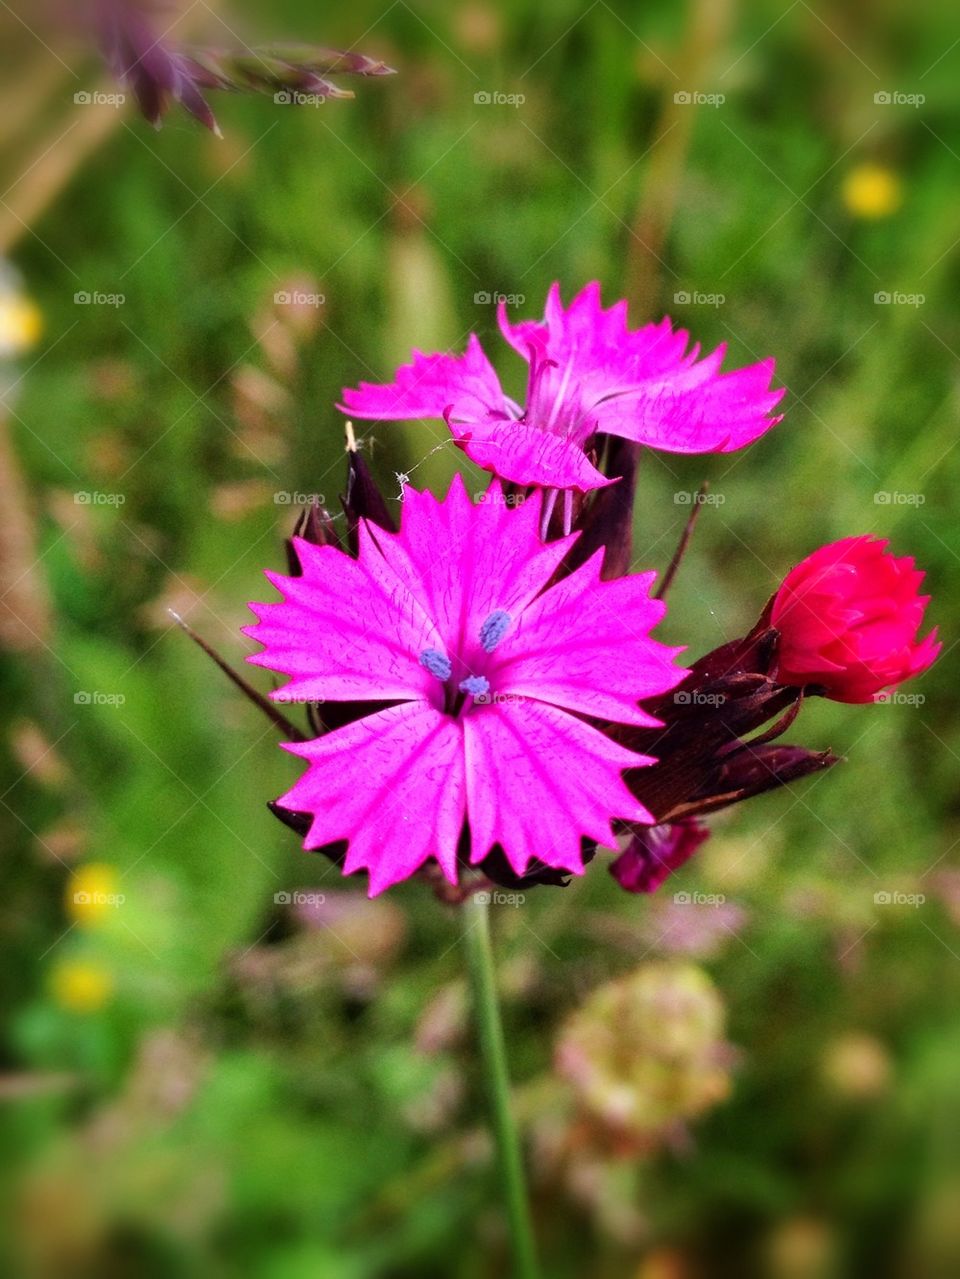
<point>476,936</point>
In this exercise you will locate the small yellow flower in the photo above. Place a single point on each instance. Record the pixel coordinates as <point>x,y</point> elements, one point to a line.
<point>872,191</point>
<point>81,987</point>
<point>20,322</point>
<point>92,893</point>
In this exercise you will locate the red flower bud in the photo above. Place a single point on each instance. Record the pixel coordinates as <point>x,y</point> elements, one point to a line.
<point>848,617</point>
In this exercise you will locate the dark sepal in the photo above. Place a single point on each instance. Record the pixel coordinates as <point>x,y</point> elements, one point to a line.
<point>753,654</point>
<point>608,520</point>
<point>704,758</point>
<point>499,871</point>
<point>363,499</point>
<point>754,771</point>
<point>701,730</point>
<point>300,823</point>
<point>314,524</point>
<point>495,869</point>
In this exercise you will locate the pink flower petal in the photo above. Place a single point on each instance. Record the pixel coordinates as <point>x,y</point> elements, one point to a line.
<point>599,341</point>
<point>346,630</point>
<point>429,386</point>
<point>645,385</point>
<point>466,557</point>
<point>695,409</point>
<point>527,455</point>
<point>538,780</point>
<point>393,785</point>
<point>585,645</point>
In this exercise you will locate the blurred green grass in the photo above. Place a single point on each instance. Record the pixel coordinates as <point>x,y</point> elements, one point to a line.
<point>293,1153</point>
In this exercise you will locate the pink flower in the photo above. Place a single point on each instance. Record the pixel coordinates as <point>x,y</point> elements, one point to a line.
<point>848,617</point>
<point>656,852</point>
<point>495,675</point>
<point>588,373</point>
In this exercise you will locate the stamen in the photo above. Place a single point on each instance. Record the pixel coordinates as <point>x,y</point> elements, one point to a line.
<point>438,664</point>
<point>549,502</point>
<point>494,628</point>
<point>540,365</point>
<point>567,511</point>
<point>475,685</point>
<point>559,396</point>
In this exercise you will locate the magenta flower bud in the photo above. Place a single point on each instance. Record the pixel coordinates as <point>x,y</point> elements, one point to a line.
<point>655,852</point>
<point>848,617</point>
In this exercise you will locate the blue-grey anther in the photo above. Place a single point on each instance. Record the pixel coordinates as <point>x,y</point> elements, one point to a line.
<point>475,685</point>
<point>494,629</point>
<point>437,664</point>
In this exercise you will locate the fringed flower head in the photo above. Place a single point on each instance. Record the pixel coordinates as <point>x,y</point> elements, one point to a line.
<point>848,618</point>
<point>495,679</point>
<point>589,373</point>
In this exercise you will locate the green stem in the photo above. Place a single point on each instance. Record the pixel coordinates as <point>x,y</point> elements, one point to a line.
<point>476,936</point>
